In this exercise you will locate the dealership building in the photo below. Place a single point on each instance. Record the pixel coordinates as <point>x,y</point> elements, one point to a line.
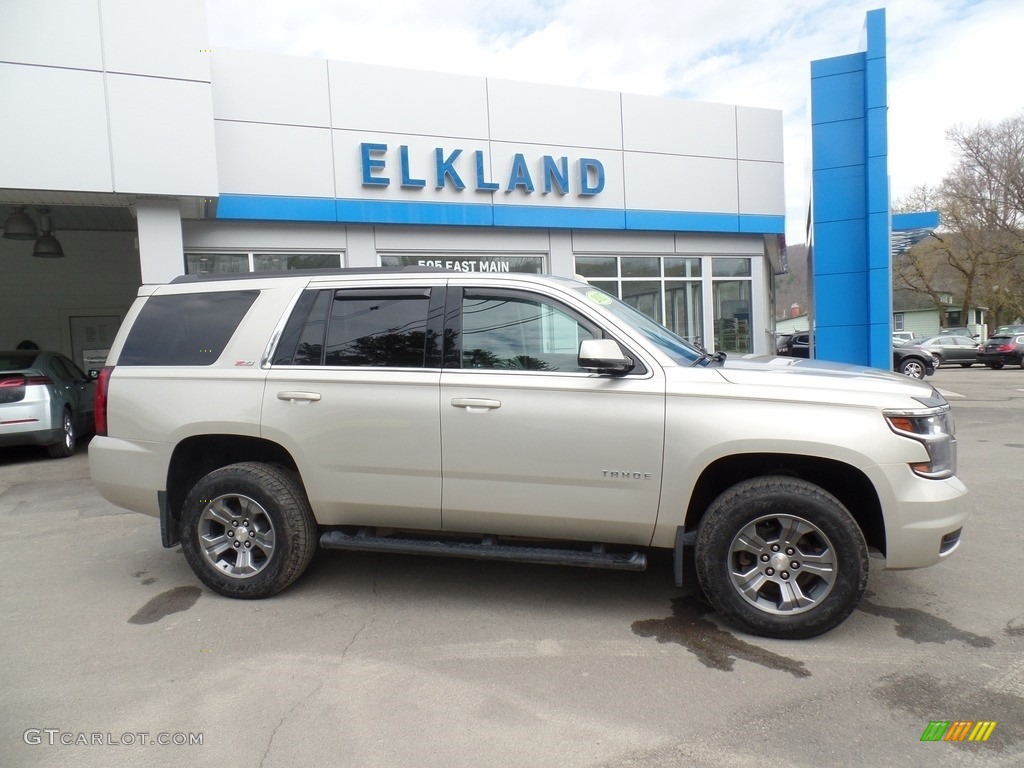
<point>139,154</point>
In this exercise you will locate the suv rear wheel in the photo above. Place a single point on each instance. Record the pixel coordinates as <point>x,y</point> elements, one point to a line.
<point>781,557</point>
<point>247,530</point>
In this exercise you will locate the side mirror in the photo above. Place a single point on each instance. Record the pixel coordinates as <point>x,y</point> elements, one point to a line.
<point>604,355</point>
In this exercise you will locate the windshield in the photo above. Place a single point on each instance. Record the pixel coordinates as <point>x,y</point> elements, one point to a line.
<point>678,349</point>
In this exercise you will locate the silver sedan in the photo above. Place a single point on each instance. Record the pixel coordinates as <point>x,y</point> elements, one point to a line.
<point>45,399</point>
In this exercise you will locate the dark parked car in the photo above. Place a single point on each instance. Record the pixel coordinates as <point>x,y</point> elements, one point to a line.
<point>962,350</point>
<point>794,345</point>
<point>1007,330</point>
<point>963,330</point>
<point>912,359</point>
<point>1004,349</point>
<point>45,399</point>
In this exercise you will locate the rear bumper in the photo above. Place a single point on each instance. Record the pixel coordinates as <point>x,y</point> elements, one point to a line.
<point>129,474</point>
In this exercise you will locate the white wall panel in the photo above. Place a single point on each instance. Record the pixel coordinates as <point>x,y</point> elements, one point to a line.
<point>73,25</point>
<point>550,114</point>
<point>673,126</point>
<point>460,239</point>
<point>584,241</point>
<point>266,88</point>
<point>762,188</point>
<point>61,141</point>
<point>392,100</point>
<point>285,160</point>
<point>672,183</point>
<point>264,235</point>
<point>727,245</point>
<point>759,134</point>
<point>164,38</point>
<point>162,136</point>
<point>422,166</point>
<point>502,154</point>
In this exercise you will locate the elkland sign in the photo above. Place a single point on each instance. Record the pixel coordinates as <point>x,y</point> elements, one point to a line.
<point>381,165</point>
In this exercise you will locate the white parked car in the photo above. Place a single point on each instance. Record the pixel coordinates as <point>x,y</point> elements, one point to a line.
<point>512,417</point>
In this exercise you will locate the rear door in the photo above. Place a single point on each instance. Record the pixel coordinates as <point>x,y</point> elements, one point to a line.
<point>533,445</point>
<point>353,394</point>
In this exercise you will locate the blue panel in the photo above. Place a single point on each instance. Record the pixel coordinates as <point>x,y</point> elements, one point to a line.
<point>880,345</point>
<point>879,241</point>
<point>839,193</point>
<point>840,247</point>
<point>558,218</point>
<point>396,212</point>
<point>879,296</point>
<point>837,65</point>
<point>669,221</point>
<point>840,300</point>
<point>840,97</point>
<point>268,208</point>
<point>766,225</point>
<point>917,220</point>
<point>843,344</point>
<point>875,27</point>
<point>875,90</point>
<point>878,184</point>
<point>877,133</point>
<point>835,145</point>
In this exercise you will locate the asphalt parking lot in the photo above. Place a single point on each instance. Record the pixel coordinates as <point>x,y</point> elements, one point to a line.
<point>113,654</point>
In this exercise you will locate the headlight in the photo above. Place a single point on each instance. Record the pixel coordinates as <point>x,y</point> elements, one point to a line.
<point>934,429</point>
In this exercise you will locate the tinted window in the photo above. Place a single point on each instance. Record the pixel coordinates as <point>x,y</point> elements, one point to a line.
<point>378,328</point>
<point>507,332</point>
<point>186,329</point>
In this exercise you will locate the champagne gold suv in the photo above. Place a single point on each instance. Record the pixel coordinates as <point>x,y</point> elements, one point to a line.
<point>512,417</point>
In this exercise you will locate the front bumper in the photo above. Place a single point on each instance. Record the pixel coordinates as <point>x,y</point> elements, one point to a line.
<point>923,517</point>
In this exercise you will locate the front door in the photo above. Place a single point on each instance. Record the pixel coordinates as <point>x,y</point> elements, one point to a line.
<point>534,445</point>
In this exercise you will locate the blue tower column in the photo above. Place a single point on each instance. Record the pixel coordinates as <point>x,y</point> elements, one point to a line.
<point>851,226</point>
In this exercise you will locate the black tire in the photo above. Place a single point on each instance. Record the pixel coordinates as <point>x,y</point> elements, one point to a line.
<point>912,367</point>
<point>247,530</point>
<point>66,446</point>
<point>754,553</point>
<point>994,366</point>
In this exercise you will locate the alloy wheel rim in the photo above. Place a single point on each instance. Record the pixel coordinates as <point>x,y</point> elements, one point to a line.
<point>782,564</point>
<point>236,536</point>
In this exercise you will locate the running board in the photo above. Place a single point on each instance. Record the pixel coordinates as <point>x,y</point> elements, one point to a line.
<point>487,549</point>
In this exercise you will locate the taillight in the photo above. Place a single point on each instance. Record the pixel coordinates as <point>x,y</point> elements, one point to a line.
<point>12,387</point>
<point>102,382</point>
<point>1004,348</point>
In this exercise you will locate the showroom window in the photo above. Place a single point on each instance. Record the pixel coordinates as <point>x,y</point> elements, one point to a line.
<point>731,299</point>
<point>201,263</point>
<point>665,288</point>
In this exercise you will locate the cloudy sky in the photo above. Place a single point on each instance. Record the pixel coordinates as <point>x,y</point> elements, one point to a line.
<point>951,62</point>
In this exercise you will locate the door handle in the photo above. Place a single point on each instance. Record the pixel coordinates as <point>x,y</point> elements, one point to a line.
<point>475,404</point>
<point>299,397</point>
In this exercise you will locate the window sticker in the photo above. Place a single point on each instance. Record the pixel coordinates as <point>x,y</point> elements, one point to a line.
<point>598,297</point>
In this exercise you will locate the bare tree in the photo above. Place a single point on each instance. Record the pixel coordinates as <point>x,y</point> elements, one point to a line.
<point>978,251</point>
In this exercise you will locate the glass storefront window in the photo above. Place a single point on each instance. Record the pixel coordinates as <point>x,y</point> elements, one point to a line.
<point>733,331</point>
<point>216,263</point>
<point>224,263</point>
<point>730,267</point>
<point>276,262</point>
<point>679,267</point>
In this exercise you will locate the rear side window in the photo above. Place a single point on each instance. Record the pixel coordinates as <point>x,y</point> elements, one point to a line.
<point>185,329</point>
<point>391,328</point>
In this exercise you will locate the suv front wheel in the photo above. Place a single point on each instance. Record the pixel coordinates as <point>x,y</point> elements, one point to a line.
<point>247,530</point>
<point>781,557</point>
